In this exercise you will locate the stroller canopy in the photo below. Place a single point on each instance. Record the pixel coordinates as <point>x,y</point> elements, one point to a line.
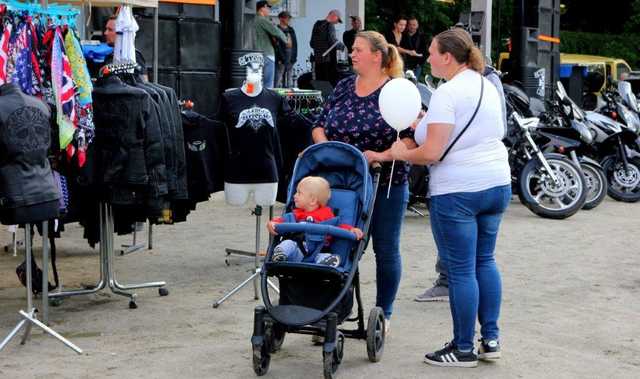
<point>343,165</point>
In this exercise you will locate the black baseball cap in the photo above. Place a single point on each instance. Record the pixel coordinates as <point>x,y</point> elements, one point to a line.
<point>284,14</point>
<point>261,4</point>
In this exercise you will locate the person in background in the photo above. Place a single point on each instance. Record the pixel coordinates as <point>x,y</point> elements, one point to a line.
<point>323,38</point>
<point>349,36</point>
<point>265,31</point>
<point>415,41</point>
<point>286,53</point>
<point>109,35</point>
<point>396,37</point>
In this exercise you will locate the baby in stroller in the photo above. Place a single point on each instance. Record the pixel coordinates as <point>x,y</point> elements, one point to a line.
<point>310,200</point>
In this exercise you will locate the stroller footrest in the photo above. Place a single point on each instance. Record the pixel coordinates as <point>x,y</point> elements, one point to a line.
<point>295,314</point>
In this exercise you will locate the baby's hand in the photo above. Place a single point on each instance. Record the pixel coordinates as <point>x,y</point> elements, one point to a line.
<point>357,232</point>
<point>271,227</point>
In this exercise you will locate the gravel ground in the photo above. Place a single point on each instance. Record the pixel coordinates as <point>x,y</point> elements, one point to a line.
<point>571,305</point>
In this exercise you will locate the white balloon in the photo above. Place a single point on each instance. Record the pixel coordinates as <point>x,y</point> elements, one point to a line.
<point>399,103</point>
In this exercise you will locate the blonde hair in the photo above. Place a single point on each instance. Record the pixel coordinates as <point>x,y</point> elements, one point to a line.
<point>459,44</point>
<point>391,62</point>
<point>318,187</point>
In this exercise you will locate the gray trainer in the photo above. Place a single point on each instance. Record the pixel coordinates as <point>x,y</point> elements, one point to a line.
<point>435,293</point>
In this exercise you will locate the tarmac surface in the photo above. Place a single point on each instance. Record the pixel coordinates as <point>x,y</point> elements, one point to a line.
<point>571,304</point>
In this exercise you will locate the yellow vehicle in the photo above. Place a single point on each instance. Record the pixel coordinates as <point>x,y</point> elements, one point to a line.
<point>615,69</point>
<point>611,69</point>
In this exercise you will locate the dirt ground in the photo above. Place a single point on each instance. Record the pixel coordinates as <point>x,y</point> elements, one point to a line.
<point>571,305</point>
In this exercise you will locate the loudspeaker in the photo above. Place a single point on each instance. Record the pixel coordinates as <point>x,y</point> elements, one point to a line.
<point>203,89</point>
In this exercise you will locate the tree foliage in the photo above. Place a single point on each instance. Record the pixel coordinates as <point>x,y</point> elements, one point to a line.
<point>434,16</point>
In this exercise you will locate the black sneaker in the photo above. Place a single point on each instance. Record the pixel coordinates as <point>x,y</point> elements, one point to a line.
<point>332,260</point>
<point>489,349</point>
<point>450,356</point>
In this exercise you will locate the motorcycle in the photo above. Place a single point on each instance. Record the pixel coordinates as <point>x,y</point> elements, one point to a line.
<point>616,146</point>
<point>549,184</point>
<point>566,132</point>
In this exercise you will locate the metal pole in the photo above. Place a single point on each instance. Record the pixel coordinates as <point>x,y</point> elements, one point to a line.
<point>28,257</point>
<point>155,44</point>
<point>258,212</point>
<point>45,272</point>
<point>486,7</point>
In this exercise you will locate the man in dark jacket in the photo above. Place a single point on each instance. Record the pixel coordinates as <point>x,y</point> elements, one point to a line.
<point>349,36</point>
<point>415,40</point>
<point>286,53</point>
<point>324,44</point>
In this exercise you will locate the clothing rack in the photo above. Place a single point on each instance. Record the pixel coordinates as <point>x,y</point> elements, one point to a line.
<point>29,317</point>
<point>122,68</point>
<point>13,229</point>
<point>255,276</point>
<point>107,269</point>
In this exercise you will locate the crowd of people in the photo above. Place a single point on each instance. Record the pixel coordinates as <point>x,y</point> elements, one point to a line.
<point>459,138</point>
<point>279,45</point>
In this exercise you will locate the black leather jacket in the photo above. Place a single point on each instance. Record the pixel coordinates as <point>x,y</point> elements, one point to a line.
<point>25,136</point>
<point>128,143</point>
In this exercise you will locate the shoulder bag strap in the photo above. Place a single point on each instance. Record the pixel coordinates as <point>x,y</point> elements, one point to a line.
<point>468,123</point>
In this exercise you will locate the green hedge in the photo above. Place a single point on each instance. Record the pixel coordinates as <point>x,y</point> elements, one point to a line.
<point>625,46</point>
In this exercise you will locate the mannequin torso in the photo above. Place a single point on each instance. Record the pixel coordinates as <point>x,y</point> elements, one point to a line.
<point>251,113</point>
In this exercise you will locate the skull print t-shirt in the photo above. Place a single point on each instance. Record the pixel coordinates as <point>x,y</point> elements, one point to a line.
<point>254,153</point>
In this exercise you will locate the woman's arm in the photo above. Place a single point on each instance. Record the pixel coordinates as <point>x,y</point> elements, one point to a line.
<point>431,151</point>
<point>318,135</point>
<point>385,156</point>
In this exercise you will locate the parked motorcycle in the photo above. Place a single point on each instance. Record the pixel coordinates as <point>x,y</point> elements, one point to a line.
<point>616,145</point>
<point>566,132</point>
<point>549,184</point>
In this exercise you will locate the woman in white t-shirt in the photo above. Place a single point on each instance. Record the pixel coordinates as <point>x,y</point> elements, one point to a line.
<point>470,190</point>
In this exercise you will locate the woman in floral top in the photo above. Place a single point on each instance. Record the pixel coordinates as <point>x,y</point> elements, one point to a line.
<point>352,115</point>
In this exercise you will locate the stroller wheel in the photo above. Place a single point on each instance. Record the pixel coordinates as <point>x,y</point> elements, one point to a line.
<point>339,347</point>
<point>333,358</point>
<point>274,334</point>
<point>261,359</point>
<point>375,334</point>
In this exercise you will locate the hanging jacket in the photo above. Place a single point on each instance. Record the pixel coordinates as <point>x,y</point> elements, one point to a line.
<point>26,180</point>
<point>128,142</point>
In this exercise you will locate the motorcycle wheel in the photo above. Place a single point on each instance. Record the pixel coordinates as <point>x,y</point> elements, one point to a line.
<point>548,199</point>
<point>621,185</point>
<point>596,181</point>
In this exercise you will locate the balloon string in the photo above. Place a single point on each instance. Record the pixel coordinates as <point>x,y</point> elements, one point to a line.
<point>393,164</point>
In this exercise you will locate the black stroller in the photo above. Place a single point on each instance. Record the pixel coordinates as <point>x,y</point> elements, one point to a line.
<point>317,299</point>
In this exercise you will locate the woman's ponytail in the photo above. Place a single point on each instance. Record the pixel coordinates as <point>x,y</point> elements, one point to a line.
<point>395,65</point>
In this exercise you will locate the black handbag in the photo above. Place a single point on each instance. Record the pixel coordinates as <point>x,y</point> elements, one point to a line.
<point>36,277</point>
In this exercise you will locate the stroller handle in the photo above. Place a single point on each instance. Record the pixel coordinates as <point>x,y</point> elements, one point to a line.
<point>290,227</point>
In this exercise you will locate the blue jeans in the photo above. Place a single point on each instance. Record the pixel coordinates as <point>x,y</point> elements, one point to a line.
<point>465,227</point>
<point>386,224</point>
<point>269,72</point>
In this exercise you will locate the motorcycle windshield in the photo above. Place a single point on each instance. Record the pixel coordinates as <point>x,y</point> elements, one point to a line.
<point>603,122</point>
<point>578,113</point>
<point>631,120</point>
<point>626,92</point>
